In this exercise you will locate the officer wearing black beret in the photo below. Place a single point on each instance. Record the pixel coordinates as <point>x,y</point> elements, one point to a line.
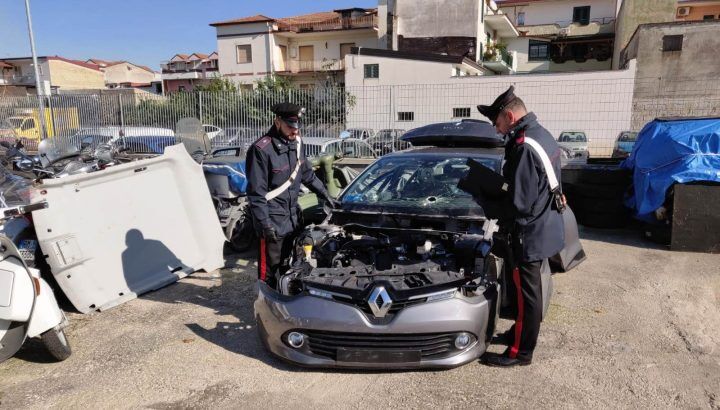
<point>275,167</point>
<point>537,229</point>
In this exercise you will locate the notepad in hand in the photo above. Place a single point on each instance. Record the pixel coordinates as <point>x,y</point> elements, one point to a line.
<point>482,181</point>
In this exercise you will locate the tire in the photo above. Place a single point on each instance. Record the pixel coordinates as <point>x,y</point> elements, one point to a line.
<point>603,220</point>
<point>600,175</point>
<point>597,191</point>
<point>242,236</point>
<point>57,344</point>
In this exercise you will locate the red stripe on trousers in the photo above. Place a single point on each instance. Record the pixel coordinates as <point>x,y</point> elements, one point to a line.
<point>520,310</point>
<point>263,260</point>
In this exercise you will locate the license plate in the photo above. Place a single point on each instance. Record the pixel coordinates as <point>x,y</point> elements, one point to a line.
<point>377,356</point>
<point>27,249</point>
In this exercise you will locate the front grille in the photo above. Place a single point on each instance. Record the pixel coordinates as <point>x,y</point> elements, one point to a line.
<point>394,308</point>
<point>430,345</point>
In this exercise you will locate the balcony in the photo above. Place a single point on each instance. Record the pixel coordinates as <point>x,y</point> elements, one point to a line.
<point>502,25</point>
<point>17,79</point>
<point>338,23</point>
<point>500,62</point>
<point>194,74</point>
<point>605,25</point>
<point>306,66</point>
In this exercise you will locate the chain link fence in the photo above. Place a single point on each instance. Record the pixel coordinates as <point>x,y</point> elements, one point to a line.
<point>585,114</point>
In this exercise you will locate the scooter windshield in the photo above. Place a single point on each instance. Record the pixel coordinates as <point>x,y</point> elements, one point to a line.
<point>51,150</point>
<point>16,190</point>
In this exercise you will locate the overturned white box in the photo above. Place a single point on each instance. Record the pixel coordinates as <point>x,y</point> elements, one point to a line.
<point>114,234</point>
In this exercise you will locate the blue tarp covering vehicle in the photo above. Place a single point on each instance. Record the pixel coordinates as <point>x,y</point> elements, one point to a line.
<point>670,151</point>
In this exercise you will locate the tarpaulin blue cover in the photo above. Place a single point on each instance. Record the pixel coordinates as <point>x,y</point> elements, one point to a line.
<point>235,171</point>
<point>670,151</point>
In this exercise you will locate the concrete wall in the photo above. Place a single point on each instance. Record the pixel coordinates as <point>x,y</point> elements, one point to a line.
<point>549,12</point>
<point>598,103</point>
<point>72,76</point>
<point>395,71</point>
<point>677,83</point>
<point>438,18</point>
<point>127,73</point>
<point>635,12</point>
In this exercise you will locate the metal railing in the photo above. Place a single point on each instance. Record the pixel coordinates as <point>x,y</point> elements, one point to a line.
<point>298,66</point>
<point>337,23</point>
<point>602,105</point>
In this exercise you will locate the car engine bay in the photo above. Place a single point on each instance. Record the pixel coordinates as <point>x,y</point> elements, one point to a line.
<point>346,262</point>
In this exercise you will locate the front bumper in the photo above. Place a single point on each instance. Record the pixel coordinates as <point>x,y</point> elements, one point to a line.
<point>277,314</point>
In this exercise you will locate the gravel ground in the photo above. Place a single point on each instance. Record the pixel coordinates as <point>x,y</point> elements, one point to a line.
<point>633,326</point>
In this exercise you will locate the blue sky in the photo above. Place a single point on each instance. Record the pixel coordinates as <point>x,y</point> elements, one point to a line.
<point>142,31</point>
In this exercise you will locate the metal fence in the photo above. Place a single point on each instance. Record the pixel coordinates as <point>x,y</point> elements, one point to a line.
<point>600,109</point>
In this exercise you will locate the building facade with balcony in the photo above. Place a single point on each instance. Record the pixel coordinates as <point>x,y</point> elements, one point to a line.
<point>309,49</point>
<point>562,35</point>
<point>476,29</point>
<point>184,72</point>
<point>56,74</point>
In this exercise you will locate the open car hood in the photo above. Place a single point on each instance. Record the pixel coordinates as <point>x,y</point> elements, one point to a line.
<point>114,234</point>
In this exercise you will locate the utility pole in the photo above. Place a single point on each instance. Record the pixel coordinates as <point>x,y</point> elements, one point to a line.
<point>41,104</point>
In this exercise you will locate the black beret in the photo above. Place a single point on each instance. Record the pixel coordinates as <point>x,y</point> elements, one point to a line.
<point>492,111</point>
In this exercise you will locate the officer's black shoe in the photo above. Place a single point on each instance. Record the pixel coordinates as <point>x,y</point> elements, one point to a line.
<point>505,339</point>
<point>501,360</point>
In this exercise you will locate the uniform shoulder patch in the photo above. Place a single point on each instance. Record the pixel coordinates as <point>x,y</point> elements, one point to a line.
<point>263,142</point>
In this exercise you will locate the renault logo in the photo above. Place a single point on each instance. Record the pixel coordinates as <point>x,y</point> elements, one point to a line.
<point>379,301</point>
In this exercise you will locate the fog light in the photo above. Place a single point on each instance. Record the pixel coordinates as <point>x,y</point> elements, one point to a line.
<point>462,340</point>
<point>296,339</point>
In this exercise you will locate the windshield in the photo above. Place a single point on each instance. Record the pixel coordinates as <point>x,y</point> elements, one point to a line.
<point>15,190</point>
<point>14,122</point>
<point>628,137</point>
<point>572,137</point>
<point>423,184</point>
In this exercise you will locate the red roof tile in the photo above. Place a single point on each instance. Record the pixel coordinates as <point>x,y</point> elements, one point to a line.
<point>5,65</point>
<point>76,62</point>
<point>258,18</point>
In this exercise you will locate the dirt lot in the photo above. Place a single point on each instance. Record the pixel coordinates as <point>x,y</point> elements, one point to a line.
<point>634,326</point>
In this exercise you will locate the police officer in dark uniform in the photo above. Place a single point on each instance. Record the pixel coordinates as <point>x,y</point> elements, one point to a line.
<point>536,223</point>
<point>275,167</point>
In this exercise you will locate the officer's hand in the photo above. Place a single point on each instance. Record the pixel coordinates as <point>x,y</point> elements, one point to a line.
<point>269,234</point>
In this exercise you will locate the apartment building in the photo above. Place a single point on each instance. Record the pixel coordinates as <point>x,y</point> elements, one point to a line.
<point>124,74</point>
<point>184,72</point>
<point>562,35</point>
<point>310,49</point>
<point>56,74</point>
<point>476,29</point>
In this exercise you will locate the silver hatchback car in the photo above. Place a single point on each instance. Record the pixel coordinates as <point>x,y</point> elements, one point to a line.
<point>407,274</point>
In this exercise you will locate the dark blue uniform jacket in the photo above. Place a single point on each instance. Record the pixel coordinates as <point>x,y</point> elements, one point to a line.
<point>269,163</point>
<point>538,226</point>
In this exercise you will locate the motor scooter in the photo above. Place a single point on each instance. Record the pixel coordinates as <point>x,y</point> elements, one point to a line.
<point>28,307</point>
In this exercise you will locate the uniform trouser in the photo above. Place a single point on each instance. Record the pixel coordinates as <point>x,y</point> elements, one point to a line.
<point>272,258</point>
<point>528,289</point>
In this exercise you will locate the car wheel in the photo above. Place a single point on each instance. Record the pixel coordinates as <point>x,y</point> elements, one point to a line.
<point>242,236</point>
<point>57,344</point>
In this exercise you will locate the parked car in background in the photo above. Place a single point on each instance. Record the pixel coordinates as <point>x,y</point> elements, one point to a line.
<point>359,133</point>
<point>575,143</point>
<point>211,131</point>
<point>624,144</point>
<point>387,141</point>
